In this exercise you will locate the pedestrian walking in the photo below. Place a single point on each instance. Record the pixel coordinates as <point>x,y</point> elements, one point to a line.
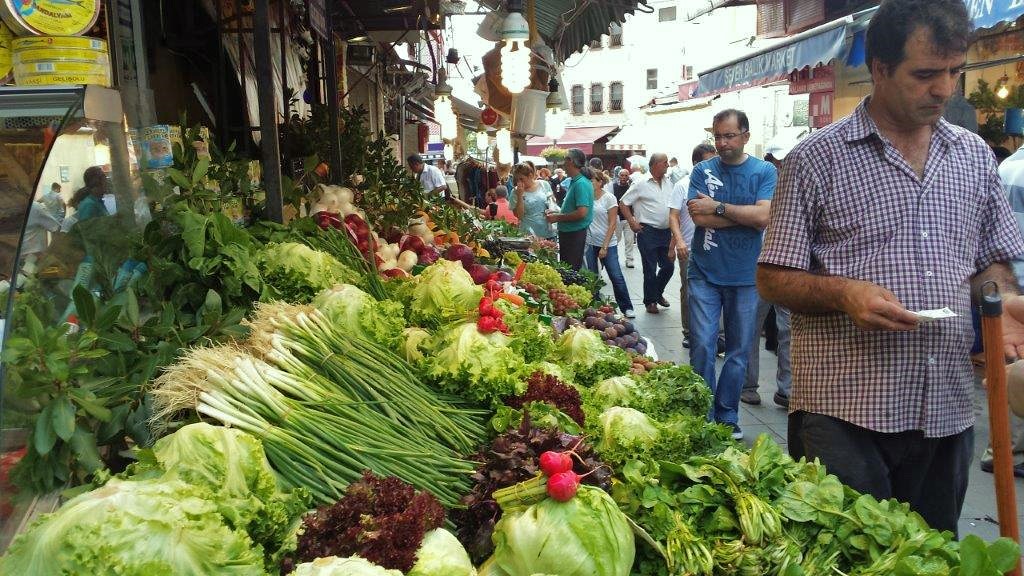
<point>625,235</point>
<point>889,210</point>
<point>602,243</point>
<point>730,196</point>
<point>577,210</point>
<point>682,233</point>
<point>646,207</point>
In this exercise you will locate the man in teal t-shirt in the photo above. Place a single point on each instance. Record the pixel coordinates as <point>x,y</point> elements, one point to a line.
<point>577,210</point>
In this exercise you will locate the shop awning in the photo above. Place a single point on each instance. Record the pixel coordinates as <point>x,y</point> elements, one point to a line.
<point>582,137</point>
<point>631,137</point>
<point>986,13</point>
<point>772,64</point>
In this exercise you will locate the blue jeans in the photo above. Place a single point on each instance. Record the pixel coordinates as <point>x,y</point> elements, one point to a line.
<point>737,305</point>
<point>783,374</point>
<point>611,266</point>
<point>653,245</point>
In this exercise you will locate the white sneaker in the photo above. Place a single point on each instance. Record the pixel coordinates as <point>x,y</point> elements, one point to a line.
<point>629,313</point>
<point>737,434</point>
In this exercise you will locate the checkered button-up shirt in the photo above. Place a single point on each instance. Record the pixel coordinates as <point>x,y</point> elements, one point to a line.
<point>849,205</point>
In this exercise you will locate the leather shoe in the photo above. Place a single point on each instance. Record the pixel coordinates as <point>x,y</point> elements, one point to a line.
<point>663,303</point>
<point>781,399</point>
<point>652,308</point>
<point>750,397</point>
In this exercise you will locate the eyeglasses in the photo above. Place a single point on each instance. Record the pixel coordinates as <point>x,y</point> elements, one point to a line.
<point>729,136</point>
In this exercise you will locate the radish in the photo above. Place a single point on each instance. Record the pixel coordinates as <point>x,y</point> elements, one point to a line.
<point>563,485</point>
<point>552,462</point>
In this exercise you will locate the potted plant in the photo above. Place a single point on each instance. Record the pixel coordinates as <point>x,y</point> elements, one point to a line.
<point>553,154</point>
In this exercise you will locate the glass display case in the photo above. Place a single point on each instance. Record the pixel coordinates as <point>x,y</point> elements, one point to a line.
<point>70,206</point>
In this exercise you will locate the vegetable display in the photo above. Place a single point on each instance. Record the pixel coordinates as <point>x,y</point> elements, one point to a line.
<point>296,273</point>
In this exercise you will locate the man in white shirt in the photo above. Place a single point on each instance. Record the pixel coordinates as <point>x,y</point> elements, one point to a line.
<point>646,208</point>
<point>431,178</point>
<point>675,171</point>
<point>682,231</point>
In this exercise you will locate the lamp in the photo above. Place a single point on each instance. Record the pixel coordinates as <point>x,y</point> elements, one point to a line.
<point>449,152</point>
<point>1003,91</point>
<point>481,136</point>
<point>444,113</point>
<point>453,56</point>
<point>554,121</point>
<point>503,140</point>
<point>515,56</point>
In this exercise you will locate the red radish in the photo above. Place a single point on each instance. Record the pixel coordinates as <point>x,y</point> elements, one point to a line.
<point>486,306</point>
<point>487,324</point>
<point>552,462</point>
<point>563,485</point>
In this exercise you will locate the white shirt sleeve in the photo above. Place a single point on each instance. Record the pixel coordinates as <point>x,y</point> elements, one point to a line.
<point>679,193</point>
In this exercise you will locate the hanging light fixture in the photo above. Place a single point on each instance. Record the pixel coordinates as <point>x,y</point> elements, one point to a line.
<point>481,136</point>
<point>444,113</point>
<point>449,152</point>
<point>503,140</point>
<point>554,120</point>
<point>1003,91</point>
<point>515,56</point>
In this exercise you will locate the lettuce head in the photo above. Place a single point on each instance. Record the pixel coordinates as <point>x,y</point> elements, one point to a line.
<point>586,536</point>
<point>295,272</point>
<point>483,367</point>
<point>358,313</point>
<point>589,357</point>
<point>444,293</point>
<point>334,566</point>
<point>441,554</point>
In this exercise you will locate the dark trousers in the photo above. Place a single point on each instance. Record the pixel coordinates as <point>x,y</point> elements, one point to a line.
<point>571,246</point>
<point>930,474</point>
<point>653,245</point>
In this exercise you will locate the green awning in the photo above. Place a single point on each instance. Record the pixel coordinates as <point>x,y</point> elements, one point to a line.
<point>569,25</point>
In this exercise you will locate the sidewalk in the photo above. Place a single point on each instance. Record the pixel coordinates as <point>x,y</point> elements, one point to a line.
<point>665,331</point>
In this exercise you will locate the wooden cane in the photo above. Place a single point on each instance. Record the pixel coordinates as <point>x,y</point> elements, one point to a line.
<point>999,413</point>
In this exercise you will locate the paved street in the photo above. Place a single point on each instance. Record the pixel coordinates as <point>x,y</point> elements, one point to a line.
<point>665,330</point>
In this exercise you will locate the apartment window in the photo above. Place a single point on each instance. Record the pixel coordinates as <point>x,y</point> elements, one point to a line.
<point>615,35</point>
<point>687,72</point>
<point>596,98</point>
<point>577,99</point>
<point>667,14</point>
<point>615,97</point>
<point>652,78</point>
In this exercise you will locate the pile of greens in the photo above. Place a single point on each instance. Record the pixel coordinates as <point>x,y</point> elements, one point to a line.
<point>759,512</point>
<point>295,272</point>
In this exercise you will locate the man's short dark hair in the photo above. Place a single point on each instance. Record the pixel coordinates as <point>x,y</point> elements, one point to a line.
<point>741,118</point>
<point>501,192</point>
<point>700,150</point>
<point>896,20</point>
<point>596,163</point>
<point>414,159</point>
<point>1002,153</point>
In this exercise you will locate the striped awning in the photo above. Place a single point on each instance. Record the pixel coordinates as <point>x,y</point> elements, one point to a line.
<point>630,138</point>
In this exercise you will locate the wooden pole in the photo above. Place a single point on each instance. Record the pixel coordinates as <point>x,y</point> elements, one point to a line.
<point>999,413</point>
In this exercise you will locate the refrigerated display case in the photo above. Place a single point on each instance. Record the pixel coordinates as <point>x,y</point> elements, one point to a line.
<point>68,208</point>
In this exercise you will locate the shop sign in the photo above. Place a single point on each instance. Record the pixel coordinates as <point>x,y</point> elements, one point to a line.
<point>820,109</point>
<point>318,18</point>
<point>809,81</point>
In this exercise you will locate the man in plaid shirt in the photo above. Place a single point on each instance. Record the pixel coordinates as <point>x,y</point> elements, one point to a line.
<point>888,211</point>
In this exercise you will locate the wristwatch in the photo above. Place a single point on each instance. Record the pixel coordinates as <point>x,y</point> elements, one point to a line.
<point>720,209</point>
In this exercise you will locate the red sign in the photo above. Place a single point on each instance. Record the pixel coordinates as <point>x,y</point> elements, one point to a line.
<point>489,116</point>
<point>819,109</point>
<point>809,81</point>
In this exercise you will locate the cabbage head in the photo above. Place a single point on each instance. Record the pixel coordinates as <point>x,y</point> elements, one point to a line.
<point>296,273</point>
<point>483,367</point>
<point>233,467</point>
<point>334,566</point>
<point>586,536</point>
<point>444,293</point>
<point>589,357</point>
<point>441,554</point>
<point>135,528</point>
<point>358,313</point>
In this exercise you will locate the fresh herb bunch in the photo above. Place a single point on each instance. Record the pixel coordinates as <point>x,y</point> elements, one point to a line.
<point>541,387</point>
<point>380,519</point>
<point>512,458</point>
